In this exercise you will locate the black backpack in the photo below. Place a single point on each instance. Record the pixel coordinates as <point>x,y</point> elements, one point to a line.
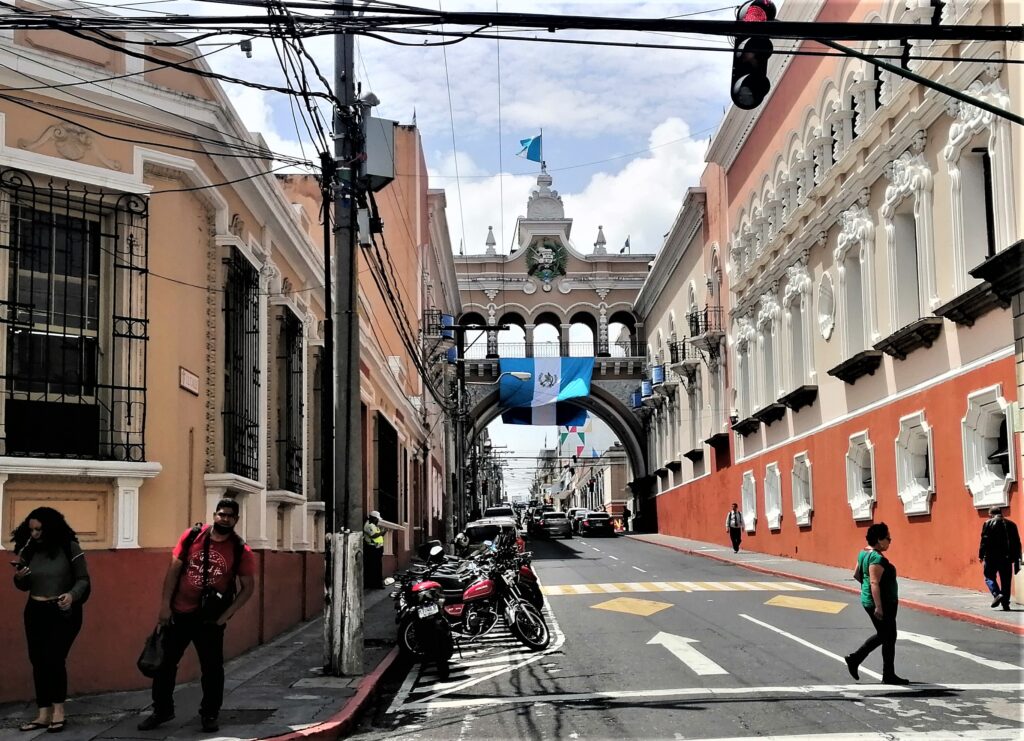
<point>29,551</point>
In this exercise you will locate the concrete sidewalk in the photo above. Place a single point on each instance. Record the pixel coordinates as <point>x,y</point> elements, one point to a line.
<point>958,604</point>
<point>277,690</point>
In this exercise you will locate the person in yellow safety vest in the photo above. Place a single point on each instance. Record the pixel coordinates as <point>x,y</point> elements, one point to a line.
<point>373,552</point>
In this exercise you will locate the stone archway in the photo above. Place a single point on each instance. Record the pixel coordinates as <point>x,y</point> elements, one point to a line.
<point>606,406</point>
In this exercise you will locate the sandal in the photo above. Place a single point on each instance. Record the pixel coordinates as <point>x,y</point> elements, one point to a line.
<point>56,727</point>
<point>34,725</point>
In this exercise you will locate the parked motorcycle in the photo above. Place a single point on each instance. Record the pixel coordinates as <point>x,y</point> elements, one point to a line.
<point>476,592</point>
<point>423,630</point>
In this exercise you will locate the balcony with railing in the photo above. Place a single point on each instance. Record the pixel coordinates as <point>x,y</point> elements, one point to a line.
<point>706,326</point>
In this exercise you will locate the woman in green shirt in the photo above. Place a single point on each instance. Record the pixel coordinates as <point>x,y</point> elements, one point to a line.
<point>879,595</point>
<point>51,568</point>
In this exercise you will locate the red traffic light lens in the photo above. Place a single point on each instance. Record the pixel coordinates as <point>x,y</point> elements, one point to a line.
<point>755,13</point>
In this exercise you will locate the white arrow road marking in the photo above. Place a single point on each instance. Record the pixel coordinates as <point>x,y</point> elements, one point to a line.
<point>809,645</point>
<point>778,691</point>
<point>949,648</point>
<point>682,648</point>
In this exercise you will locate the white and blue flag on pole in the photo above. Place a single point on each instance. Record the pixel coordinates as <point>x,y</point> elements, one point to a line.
<point>551,380</point>
<point>532,149</point>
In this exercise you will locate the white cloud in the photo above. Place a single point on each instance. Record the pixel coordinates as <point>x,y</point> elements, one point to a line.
<point>639,201</point>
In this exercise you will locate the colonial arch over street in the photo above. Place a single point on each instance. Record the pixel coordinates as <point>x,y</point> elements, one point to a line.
<point>558,301</point>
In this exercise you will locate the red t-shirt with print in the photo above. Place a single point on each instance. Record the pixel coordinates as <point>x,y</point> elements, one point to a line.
<point>222,558</point>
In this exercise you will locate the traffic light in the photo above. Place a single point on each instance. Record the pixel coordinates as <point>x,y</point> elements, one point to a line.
<point>750,57</point>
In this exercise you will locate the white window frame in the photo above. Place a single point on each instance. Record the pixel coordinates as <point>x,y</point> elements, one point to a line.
<point>910,180</point>
<point>803,491</point>
<point>773,496</point>
<point>987,410</point>
<point>797,301</point>
<point>767,330</point>
<point>857,235</point>
<point>915,464</point>
<point>970,122</point>
<point>860,460</point>
<point>748,501</point>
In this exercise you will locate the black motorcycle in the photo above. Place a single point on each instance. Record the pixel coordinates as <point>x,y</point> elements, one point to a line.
<point>423,631</point>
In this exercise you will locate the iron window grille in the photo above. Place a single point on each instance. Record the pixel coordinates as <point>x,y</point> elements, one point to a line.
<point>316,427</point>
<point>242,367</point>
<point>290,366</point>
<point>73,320</point>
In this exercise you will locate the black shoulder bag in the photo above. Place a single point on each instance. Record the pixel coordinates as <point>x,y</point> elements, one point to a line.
<point>212,603</point>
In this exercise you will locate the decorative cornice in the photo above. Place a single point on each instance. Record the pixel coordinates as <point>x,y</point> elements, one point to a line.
<point>11,465</point>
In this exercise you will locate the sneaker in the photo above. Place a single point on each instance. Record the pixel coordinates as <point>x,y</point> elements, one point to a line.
<point>209,723</point>
<point>153,721</point>
<point>893,679</point>
<point>852,665</point>
<point>997,598</point>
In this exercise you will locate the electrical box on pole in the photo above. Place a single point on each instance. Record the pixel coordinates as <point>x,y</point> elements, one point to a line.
<point>378,167</point>
<point>750,56</point>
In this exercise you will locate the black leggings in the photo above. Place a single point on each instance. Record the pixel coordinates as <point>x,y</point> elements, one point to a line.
<point>885,636</point>
<point>50,632</point>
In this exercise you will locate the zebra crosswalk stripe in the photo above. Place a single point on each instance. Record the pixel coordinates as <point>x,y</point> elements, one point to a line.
<point>562,590</point>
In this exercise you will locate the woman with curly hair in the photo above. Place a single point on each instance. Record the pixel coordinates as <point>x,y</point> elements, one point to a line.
<point>51,568</point>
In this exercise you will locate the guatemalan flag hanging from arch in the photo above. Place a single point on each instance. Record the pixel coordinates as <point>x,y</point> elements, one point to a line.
<point>552,380</point>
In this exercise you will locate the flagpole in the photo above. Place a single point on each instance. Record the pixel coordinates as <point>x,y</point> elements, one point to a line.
<point>543,164</point>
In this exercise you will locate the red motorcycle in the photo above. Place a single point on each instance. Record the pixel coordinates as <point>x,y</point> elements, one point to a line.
<point>495,593</point>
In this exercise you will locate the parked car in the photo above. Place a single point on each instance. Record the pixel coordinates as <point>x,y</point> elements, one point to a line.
<point>597,523</point>
<point>577,517</point>
<point>555,523</point>
<point>502,510</point>
<point>490,528</point>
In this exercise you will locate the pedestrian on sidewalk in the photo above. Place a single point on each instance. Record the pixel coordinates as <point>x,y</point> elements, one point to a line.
<point>626,514</point>
<point>1000,554</point>
<point>373,552</point>
<point>198,599</point>
<point>51,568</point>
<point>734,526</point>
<point>879,594</point>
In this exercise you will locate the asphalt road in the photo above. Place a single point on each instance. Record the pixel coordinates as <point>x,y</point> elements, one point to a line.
<point>653,644</point>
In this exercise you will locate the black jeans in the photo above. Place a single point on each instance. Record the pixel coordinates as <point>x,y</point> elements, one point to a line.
<point>186,628</point>
<point>735,534</point>
<point>885,636</point>
<point>50,632</point>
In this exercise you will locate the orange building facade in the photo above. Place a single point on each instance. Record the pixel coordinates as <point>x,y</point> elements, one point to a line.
<point>869,365</point>
<point>161,332</point>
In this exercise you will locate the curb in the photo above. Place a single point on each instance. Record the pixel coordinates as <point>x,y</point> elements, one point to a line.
<point>946,612</point>
<point>337,724</point>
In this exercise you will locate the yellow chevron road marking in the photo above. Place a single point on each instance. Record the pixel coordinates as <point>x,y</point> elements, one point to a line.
<point>632,606</point>
<point>803,603</point>
<point>561,590</point>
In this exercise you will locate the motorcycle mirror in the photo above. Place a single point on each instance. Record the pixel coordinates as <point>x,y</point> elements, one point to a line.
<point>436,550</point>
<point>389,581</point>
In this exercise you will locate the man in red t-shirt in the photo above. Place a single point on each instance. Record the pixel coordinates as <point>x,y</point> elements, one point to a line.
<point>198,585</point>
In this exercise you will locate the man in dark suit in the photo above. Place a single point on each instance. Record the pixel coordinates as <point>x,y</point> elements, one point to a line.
<point>1000,554</point>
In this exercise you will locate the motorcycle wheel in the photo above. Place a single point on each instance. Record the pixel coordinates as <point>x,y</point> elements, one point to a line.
<point>532,594</point>
<point>408,640</point>
<point>528,626</point>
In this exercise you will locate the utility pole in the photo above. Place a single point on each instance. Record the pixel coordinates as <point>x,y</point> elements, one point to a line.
<point>460,428</point>
<point>344,619</point>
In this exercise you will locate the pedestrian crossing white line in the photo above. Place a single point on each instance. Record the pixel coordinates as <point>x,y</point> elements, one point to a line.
<point>493,654</point>
<point>858,690</point>
<point>557,590</point>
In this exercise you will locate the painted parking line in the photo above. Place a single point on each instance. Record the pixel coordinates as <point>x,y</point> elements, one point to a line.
<point>561,590</point>
<point>488,656</point>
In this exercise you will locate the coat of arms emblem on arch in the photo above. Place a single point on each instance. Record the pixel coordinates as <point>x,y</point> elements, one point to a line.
<point>545,259</point>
